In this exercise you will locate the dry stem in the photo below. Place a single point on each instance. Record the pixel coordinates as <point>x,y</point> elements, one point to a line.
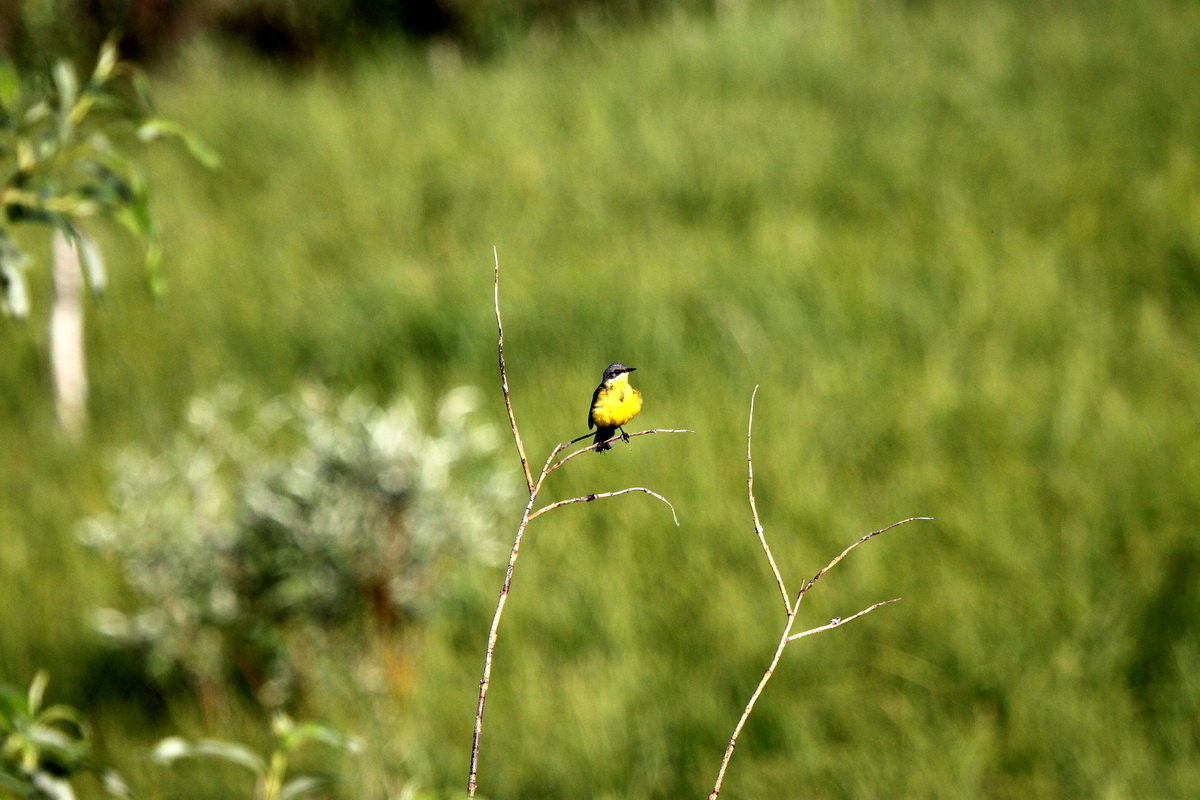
<point>758,528</point>
<point>512,419</point>
<point>592,447</point>
<point>587,498</point>
<point>791,608</point>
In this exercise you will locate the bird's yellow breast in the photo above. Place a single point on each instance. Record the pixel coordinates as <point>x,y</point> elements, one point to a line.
<point>616,403</point>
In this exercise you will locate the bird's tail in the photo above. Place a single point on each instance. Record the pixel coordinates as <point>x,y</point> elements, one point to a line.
<point>602,437</point>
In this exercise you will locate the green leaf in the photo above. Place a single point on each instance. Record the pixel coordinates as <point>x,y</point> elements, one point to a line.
<point>106,61</point>
<point>305,732</point>
<point>37,112</point>
<point>232,752</point>
<point>174,748</point>
<point>92,260</point>
<point>107,184</point>
<point>68,90</point>
<point>133,217</point>
<point>301,785</point>
<point>114,784</point>
<point>60,713</point>
<point>52,741</point>
<point>141,87</point>
<point>157,128</point>
<point>154,274</point>
<point>47,785</point>
<point>138,218</point>
<point>171,749</point>
<point>37,690</point>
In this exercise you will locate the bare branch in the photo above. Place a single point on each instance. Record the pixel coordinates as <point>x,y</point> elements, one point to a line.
<point>512,419</point>
<point>758,528</point>
<point>587,498</point>
<point>534,487</point>
<point>591,447</point>
<point>528,516</point>
<point>494,631</point>
<point>839,621</point>
<point>786,638</point>
<point>791,608</point>
<point>758,690</point>
<point>493,635</point>
<point>837,559</point>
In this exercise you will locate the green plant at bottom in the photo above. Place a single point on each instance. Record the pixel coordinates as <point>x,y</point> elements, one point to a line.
<point>273,780</point>
<point>44,748</point>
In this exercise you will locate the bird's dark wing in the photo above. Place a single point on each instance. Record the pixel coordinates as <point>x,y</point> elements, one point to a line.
<point>591,405</point>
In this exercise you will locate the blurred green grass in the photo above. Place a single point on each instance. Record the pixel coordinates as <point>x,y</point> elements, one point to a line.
<point>957,244</point>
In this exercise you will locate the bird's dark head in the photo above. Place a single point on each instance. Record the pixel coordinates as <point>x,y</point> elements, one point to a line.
<point>615,369</point>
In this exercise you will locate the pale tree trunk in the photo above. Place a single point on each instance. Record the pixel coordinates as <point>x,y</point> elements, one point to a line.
<point>66,338</point>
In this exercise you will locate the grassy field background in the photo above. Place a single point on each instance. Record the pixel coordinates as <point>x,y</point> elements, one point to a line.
<point>957,245</point>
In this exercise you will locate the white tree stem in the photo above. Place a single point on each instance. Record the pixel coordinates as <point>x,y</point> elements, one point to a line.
<point>66,338</point>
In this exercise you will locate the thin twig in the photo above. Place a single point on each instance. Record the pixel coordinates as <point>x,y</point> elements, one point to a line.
<point>758,690</point>
<point>791,608</point>
<point>758,528</point>
<point>587,498</point>
<point>809,584</point>
<point>494,633</point>
<point>512,419</point>
<point>527,516</point>
<point>592,447</point>
<point>839,621</point>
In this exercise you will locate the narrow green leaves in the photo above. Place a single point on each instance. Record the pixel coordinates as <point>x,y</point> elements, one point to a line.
<point>273,782</point>
<point>37,690</point>
<point>301,785</point>
<point>106,61</point>
<point>296,734</point>
<point>156,128</point>
<point>40,748</point>
<point>67,85</point>
<point>63,162</point>
<point>174,748</point>
<point>90,259</point>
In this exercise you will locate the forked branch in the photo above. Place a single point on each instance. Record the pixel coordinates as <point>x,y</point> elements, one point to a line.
<point>587,498</point>
<point>592,447</point>
<point>836,621</point>
<point>791,607</point>
<point>527,516</point>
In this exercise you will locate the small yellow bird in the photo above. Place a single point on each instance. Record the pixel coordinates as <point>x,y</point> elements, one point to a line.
<point>614,403</point>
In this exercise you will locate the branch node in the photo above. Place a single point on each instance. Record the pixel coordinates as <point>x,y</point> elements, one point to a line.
<point>528,516</point>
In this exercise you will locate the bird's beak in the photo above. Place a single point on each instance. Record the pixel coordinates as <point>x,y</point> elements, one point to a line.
<point>630,369</point>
